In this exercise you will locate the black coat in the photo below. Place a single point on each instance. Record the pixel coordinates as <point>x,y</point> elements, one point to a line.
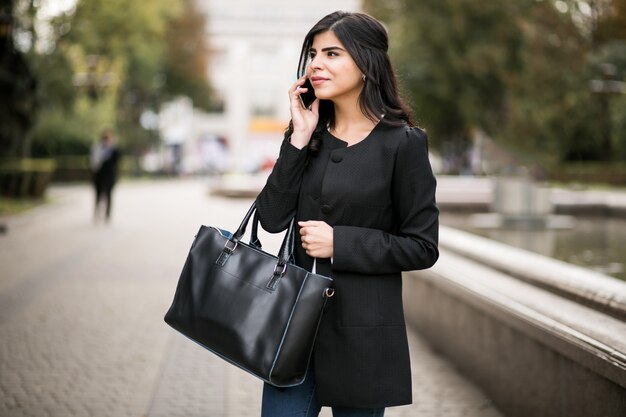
<point>106,175</point>
<point>379,197</point>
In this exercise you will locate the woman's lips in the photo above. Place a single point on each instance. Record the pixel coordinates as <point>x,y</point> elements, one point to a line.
<point>318,80</point>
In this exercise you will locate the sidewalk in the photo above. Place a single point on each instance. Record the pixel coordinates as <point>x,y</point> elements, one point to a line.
<point>82,305</point>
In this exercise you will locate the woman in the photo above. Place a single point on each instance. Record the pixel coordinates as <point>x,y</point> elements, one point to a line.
<point>355,173</point>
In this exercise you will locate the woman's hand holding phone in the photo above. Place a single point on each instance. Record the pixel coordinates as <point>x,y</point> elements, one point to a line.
<point>304,119</point>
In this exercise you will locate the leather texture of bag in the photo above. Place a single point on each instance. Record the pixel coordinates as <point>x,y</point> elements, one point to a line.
<point>255,310</point>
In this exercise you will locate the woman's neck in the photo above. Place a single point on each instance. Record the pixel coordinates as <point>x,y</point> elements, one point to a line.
<point>350,120</point>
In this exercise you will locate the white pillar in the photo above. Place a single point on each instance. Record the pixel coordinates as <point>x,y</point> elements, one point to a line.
<point>237,104</point>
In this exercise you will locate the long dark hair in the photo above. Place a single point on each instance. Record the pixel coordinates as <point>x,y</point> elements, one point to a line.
<point>367,42</point>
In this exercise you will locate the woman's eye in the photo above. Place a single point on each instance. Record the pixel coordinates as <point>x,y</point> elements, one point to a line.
<point>332,53</point>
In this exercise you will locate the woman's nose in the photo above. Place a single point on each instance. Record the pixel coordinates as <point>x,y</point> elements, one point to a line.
<point>315,63</point>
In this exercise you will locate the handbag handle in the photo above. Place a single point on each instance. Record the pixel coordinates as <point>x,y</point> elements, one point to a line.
<point>286,248</point>
<point>284,255</point>
<point>254,237</point>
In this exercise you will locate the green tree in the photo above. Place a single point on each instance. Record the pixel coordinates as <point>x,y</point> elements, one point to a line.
<point>128,40</point>
<point>104,63</point>
<point>518,71</point>
<point>547,92</point>
<point>17,88</point>
<point>187,57</point>
<point>449,63</point>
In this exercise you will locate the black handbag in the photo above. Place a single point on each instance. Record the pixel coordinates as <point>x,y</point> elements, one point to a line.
<point>253,309</point>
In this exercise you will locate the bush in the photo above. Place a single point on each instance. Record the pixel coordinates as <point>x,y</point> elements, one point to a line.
<point>590,172</point>
<point>25,177</point>
<point>72,168</point>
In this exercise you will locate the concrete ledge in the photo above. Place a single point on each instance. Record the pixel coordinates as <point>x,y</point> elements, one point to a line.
<point>535,353</point>
<point>596,202</point>
<point>238,185</point>
<point>602,292</point>
<point>476,194</point>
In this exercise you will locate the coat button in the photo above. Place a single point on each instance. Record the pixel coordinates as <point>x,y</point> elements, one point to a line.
<point>325,209</point>
<point>336,158</point>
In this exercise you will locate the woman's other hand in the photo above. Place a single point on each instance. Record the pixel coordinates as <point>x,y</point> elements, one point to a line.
<point>317,238</point>
<point>304,120</point>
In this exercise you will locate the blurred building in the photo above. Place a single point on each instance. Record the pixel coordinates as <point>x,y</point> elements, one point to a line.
<point>255,50</point>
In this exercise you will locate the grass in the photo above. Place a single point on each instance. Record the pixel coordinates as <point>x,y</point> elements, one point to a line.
<point>12,206</point>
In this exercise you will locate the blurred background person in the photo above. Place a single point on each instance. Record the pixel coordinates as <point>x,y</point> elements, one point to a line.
<point>104,165</point>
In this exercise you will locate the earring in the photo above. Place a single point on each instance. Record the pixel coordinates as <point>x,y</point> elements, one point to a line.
<point>363,77</point>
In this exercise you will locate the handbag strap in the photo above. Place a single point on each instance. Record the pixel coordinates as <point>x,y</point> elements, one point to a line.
<point>286,248</point>
<point>254,237</point>
<point>244,223</point>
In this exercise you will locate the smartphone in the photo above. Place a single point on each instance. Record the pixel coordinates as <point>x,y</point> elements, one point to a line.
<point>309,97</point>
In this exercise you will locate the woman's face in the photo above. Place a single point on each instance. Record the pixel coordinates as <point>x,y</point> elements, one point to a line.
<point>332,71</point>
